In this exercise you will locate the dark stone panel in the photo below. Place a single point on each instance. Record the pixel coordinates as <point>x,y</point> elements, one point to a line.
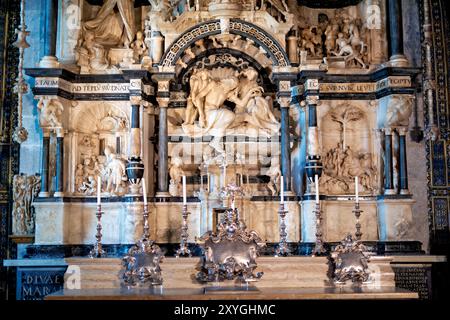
<point>376,75</point>
<point>112,199</point>
<point>34,283</point>
<point>326,4</point>
<point>416,279</point>
<point>230,138</point>
<point>119,250</point>
<point>275,198</point>
<point>393,196</point>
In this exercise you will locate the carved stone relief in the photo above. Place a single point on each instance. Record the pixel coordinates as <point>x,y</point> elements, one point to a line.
<point>51,112</point>
<point>25,189</point>
<point>350,156</point>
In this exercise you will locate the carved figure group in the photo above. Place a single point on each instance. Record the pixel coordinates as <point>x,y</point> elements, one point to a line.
<point>341,166</point>
<point>341,36</point>
<point>210,89</point>
<point>111,170</point>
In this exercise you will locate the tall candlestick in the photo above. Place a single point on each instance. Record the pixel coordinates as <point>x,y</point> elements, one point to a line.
<point>99,189</point>
<point>316,181</point>
<point>144,191</point>
<point>282,190</point>
<point>356,189</point>
<point>184,190</point>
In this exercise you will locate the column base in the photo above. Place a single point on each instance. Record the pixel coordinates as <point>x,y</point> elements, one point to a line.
<point>390,192</point>
<point>58,194</point>
<point>404,191</point>
<point>398,60</point>
<point>162,194</point>
<point>44,194</point>
<point>49,62</point>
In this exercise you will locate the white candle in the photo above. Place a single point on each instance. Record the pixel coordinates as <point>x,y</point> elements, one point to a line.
<point>208,182</point>
<point>144,191</point>
<point>184,190</point>
<point>316,180</point>
<point>99,189</point>
<point>282,190</point>
<point>356,189</point>
<point>224,176</point>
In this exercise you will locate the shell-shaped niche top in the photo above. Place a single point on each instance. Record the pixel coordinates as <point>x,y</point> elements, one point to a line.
<point>100,117</point>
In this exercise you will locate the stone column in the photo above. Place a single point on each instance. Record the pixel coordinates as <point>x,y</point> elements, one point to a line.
<point>403,168</point>
<point>163,149</point>
<point>285,142</point>
<point>395,36</point>
<point>313,158</point>
<point>135,167</point>
<point>45,164</point>
<point>388,167</point>
<point>135,133</point>
<point>51,10</point>
<point>59,155</point>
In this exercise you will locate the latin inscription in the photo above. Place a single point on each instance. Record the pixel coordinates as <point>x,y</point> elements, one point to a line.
<point>415,279</point>
<point>36,284</point>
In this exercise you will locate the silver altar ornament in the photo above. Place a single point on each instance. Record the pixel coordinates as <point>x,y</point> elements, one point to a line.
<point>283,248</point>
<point>97,251</point>
<point>142,264</point>
<point>20,134</point>
<point>351,261</point>
<point>231,253</point>
<point>184,250</point>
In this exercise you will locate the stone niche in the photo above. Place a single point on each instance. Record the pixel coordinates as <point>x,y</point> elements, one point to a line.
<point>99,141</point>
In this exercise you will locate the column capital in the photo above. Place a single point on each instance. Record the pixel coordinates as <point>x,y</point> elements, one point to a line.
<point>312,100</point>
<point>163,102</point>
<point>388,131</point>
<point>60,132</point>
<point>135,100</point>
<point>402,131</point>
<point>284,102</point>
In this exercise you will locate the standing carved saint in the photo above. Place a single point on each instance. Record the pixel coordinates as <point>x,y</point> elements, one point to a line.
<point>25,189</point>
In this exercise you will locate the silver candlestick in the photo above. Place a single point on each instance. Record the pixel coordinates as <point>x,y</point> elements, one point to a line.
<point>184,250</point>
<point>283,249</point>
<point>357,211</point>
<point>318,248</point>
<point>146,232</point>
<point>97,251</point>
